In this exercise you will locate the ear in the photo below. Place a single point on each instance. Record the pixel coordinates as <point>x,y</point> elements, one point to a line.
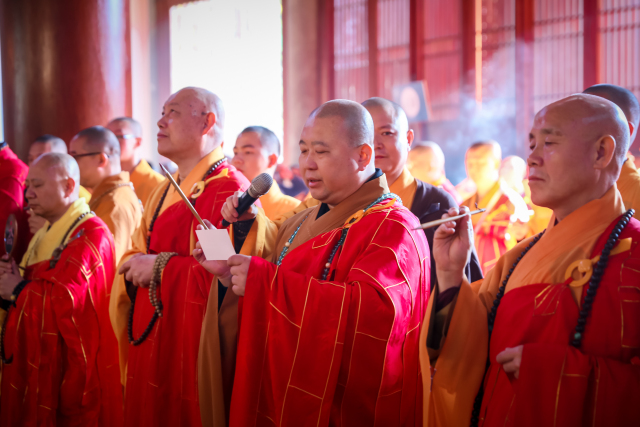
<point>631,130</point>
<point>209,122</point>
<point>69,186</point>
<point>104,160</point>
<point>365,156</point>
<point>410,136</point>
<point>605,150</point>
<point>138,143</point>
<point>273,160</point>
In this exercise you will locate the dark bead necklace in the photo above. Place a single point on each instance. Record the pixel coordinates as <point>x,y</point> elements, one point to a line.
<point>592,288</point>
<point>154,318</point>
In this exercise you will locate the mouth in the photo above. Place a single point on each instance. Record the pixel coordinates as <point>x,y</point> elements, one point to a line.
<point>161,135</point>
<point>535,179</point>
<point>313,183</point>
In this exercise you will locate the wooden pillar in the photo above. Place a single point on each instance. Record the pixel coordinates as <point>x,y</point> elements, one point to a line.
<point>326,50</point>
<point>471,50</point>
<point>372,29</point>
<point>416,39</point>
<point>524,72</point>
<point>65,66</point>
<point>591,44</point>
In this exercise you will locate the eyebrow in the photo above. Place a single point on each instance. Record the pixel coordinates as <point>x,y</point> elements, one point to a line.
<point>386,127</point>
<point>549,131</point>
<point>245,145</point>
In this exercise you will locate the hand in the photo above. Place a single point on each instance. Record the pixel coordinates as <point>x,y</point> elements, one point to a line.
<point>510,359</point>
<point>138,269</point>
<point>218,268</point>
<point>36,222</point>
<point>230,213</point>
<point>9,277</point>
<point>452,243</point>
<point>239,270</point>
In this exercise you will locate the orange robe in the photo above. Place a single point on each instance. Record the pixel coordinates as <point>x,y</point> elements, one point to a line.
<point>161,373</point>
<point>340,351</point>
<point>144,180</point>
<point>558,384</point>
<point>276,203</point>
<point>629,187</point>
<point>65,357</point>
<point>115,202</point>
<point>13,173</point>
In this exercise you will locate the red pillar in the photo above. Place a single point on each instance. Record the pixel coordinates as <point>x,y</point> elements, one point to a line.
<point>524,72</point>
<point>65,66</point>
<point>372,27</point>
<point>591,44</point>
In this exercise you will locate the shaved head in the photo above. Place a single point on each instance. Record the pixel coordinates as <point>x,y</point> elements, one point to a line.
<point>99,139</point>
<point>394,110</point>
<point>490,146</point>
<point>59,164</point>
<point>429,148</point>
<point>203,102</point>
<point>426,161</point>
<point>268,139</point>
<point>623,98</point>
<point>134,125</point>
<point>357,122</point>
<point>46,144</point>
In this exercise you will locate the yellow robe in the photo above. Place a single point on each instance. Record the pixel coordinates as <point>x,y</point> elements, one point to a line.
<point>459,364</point>
<point>144,180</point>
<point>276,203</point>
<point>83,192</point>
<point>629,187</point>
<point>405,187</point>
<point>115,202</point>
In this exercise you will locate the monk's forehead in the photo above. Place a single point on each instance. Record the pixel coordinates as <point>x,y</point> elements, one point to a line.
<point>482,151</point>
<point>248,139</point>
<point>186,98</point>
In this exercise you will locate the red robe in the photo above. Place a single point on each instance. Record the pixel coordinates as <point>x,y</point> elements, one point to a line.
<point>162,386</point>
<point>342,351</point>
<point>13,173</point>
<point>65,357</point>
<point>596,385</point>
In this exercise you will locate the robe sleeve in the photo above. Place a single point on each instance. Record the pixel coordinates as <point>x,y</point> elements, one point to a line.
<point>121,220</point>
<point>11,202</point>
<point>568,385</point>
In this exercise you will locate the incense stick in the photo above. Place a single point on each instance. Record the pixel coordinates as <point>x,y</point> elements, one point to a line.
<point>177,187</point>
<point>442,221</point>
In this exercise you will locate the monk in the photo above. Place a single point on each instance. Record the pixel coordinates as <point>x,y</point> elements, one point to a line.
<point>159,354</point>
<point>426,163</point>
<point>13,173</point>
<point>629,182</point>
<point>142,176</point>
<point>59,353</point>
<point>493,228</point>
<point>97,151</point>
<point>256,152</point>
<point>330,322</point>
<point>562,337</point>
<point>48,144</point>
<point>392,141</point>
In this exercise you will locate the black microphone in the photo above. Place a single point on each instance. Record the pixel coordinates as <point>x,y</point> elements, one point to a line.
<point>260,186</point>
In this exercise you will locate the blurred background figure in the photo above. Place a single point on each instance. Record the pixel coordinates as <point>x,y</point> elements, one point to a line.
<point>256,151</point>
<point>13,173</point>
<point>513,172</point>
<point>426,163</point>
<point>494,229</point>
<point>290,184</point>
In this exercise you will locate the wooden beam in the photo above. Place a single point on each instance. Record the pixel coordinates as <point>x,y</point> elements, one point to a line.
<point>372,9</point>
<point>326,50</point>
<point>591,44</point>
<point>524,71</point>
<point>471,36</point>
<point>416,39</point>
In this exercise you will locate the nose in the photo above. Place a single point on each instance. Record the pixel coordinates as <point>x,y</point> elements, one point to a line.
<point>161,123</point>
<point>30,194</point>
<point>535,158</point>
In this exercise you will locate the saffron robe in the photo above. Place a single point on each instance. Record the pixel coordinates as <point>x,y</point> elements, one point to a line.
<point>65,356</point>
<point>342,351</point>
<point>115,202</point>
<point>276,203</point>
<point>629,187</point>
<point>13,173</point>
<point>83,192</point>
<point>161,373</point>
<point>144,180</point>
<point>558,384</point>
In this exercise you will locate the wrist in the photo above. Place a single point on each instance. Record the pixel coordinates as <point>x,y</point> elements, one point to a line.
<point>448,279</point>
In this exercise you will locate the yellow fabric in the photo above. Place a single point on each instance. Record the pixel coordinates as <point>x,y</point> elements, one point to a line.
<point>405,187</point>
<point>119,302</point>
<point>541,215</point>
<point>276,203</point>
<point>83,192</point>
<point>448,399</point>
<point>144,180</point>
<point>46,240</point>
<point>629,187</point>
<point>218,339</point>
<point>115,202</point>
<point>483,203</point>
<point>307,203</point>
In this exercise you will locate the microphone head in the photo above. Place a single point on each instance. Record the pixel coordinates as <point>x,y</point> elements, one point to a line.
<point>260,185</point>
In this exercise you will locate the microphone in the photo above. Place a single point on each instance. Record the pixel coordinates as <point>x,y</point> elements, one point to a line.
<point>260,186</point>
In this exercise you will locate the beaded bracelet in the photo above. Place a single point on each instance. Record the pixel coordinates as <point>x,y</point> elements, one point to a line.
<point>18,289</point>
<point>156,277</point>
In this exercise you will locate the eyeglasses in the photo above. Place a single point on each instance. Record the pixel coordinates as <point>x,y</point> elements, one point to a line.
<point>126,136</point>
<point>77,156</point>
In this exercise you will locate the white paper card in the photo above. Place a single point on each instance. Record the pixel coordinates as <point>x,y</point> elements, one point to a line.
<point>216,244</point>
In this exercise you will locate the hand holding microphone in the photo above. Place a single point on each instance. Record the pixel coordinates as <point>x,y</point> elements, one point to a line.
<point>240,206</point>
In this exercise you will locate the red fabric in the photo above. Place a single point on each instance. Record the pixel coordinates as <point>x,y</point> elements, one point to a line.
<point>559,384</point>
<point>13,173</point>
<point>490,236</point>
<point>342,352</point>
<point>162,386</point>
<point>451,189</point>
<point>65,367</point>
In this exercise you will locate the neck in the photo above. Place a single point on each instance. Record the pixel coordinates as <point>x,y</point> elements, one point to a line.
<point>362,178</point>
<point>484,187</point>
<point>130,164</point>
<point>579,200</point>
<point>59,214</point>
<point>392,176</point>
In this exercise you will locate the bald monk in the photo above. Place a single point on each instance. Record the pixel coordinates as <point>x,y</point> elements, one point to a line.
<point>256,151</point>
<point>563,333</point>
<point>426,163</point>
<point>330,322</point>
<point>13,173</point>
<point>142,176</point>
<point>159,354</point>
<point>97,151</point>
<point>493,228</point>
<point>48,144</point>
<point>629,181</point>
<point>60,355</point>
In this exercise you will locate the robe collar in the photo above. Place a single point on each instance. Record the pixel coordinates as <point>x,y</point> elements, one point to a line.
<point>405,187</point>
<point>107,185</point>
